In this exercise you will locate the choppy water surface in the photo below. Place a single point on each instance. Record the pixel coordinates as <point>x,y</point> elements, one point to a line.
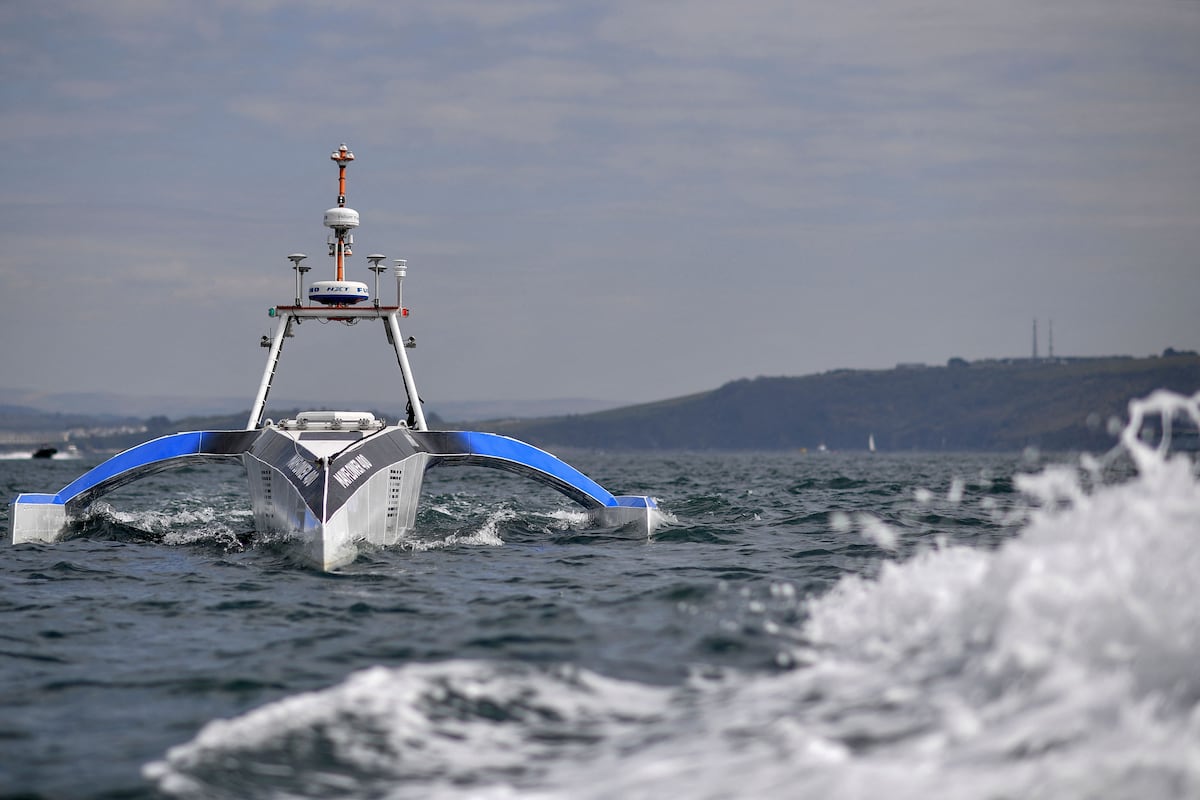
<point>808,625</point>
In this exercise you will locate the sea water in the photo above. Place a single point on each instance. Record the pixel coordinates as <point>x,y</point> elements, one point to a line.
<point>806,625</point>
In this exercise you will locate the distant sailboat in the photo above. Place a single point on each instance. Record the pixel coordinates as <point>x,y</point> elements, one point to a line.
<point>871,442</point>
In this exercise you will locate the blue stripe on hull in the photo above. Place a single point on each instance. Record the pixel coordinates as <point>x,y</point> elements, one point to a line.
<point>38,499</point>
<point>134,458</point>
<point>144,459</point>
<point>515,455</point>
<point>636,501</point>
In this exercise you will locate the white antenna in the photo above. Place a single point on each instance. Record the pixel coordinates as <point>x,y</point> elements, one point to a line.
<point>401,271</point>
<point>296,258</point>
<point>375,258</point>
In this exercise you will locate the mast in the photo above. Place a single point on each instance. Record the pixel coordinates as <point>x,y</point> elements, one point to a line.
<point>337,302</point>
<point>341,222</point>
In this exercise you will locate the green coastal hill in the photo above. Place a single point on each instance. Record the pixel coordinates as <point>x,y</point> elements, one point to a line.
<point>998,405</point>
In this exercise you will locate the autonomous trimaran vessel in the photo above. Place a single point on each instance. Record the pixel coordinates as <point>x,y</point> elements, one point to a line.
<point>328,481</point>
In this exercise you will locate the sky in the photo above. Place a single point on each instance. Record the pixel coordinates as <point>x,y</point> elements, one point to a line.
<point>623,200</point>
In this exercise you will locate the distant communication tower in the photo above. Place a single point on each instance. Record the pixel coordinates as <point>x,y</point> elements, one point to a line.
<point>1035,353</point>
<point>1051,339</point>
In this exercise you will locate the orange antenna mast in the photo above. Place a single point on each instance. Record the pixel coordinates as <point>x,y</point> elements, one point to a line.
<point>342,247</point>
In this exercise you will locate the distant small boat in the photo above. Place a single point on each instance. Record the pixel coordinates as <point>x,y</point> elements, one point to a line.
<point>45,452</point>
<point>871,442</point>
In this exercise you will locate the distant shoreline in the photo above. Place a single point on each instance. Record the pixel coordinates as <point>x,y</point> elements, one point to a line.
<point>1060,403</point>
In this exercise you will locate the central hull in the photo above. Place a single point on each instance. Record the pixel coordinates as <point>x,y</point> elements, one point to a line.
<point>325,506</point>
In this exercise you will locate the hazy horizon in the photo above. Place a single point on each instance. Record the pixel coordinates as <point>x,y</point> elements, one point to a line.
<point>177,406</point>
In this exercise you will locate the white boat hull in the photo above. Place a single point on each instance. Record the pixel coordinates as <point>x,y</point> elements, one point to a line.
<point>380,512</point>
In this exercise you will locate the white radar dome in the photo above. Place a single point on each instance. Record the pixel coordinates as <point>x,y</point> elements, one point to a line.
<point>338,293</point>
<point>341,218</point>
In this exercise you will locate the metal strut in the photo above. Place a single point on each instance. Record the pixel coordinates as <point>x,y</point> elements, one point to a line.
<point>410,385</point>
<point>264,386</point>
